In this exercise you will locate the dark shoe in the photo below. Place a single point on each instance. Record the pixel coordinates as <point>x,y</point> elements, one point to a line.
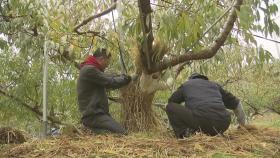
<point>188,132</point>
<point>100,131</point>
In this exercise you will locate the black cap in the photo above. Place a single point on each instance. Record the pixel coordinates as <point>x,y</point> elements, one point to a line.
<point>101,52</point>
<point>197,75</point>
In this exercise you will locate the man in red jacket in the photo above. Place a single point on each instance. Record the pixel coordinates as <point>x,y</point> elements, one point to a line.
<point>92,97</point>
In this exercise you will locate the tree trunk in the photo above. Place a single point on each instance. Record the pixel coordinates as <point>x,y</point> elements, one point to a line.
<point>137,112</point>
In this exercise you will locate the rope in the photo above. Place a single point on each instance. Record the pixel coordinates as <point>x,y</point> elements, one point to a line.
<point>120,42</point>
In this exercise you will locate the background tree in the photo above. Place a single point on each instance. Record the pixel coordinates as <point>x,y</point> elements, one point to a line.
<point>183,31</point>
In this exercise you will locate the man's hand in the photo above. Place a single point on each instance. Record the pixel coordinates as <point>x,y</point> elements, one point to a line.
<point>126,78</point>
<point>240,114</point>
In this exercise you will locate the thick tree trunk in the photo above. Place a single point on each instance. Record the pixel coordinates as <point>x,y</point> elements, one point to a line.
<point>137,112</point>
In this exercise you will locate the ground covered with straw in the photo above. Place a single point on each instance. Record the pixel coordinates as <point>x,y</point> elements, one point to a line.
<point>259,142</point>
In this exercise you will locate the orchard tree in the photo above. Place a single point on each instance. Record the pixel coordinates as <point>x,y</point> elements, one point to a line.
<point>151,38</point>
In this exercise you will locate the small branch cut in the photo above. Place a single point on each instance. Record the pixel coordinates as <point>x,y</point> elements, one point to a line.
<point>206,53</point>
<point>84,22</point>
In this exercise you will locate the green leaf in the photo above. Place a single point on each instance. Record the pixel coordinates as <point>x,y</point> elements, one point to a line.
<point>273,9</point>
<point>261,54</point>
<point>268,56</point>
<point>245,16</point>
<point>3,44</point>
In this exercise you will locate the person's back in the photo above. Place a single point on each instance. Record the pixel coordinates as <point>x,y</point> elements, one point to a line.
<point>205,110</point>
<point>204,97</point>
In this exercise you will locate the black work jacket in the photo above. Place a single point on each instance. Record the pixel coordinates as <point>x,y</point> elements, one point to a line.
<point>205,98</point>
<point>91,89</point>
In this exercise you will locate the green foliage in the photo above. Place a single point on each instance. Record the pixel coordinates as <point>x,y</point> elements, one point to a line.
<point>26,24</point>
<point>249,73</point>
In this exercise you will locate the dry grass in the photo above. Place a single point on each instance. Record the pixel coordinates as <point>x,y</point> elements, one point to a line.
<point>9,135</point>
<point>236,143</point>
<point>263,141</point>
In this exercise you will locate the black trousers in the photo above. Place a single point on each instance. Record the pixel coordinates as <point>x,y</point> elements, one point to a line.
<point>103,123</point>
<point>183,119</point>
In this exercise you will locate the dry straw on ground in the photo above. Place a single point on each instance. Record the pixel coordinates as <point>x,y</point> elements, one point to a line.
<point>236,143</point>
<point>9,135</point>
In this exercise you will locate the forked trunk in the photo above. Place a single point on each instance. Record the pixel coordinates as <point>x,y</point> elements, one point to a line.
<point>137,113</point>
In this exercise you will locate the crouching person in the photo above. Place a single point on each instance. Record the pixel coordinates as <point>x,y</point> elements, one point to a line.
<point>92,98</point>
<point>205,109</point>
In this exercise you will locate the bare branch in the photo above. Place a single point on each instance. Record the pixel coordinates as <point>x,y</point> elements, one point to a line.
<point>84,22</point>
<point>253,107</point>
<point>207,52</point>
<point>33,108</point>
<point>181,67</point>
<point>11,16</point>
<point>66,55</point>
<point>166,2</point>
<point>115,99</point>
<point>258,36</point>
<point>94,33</point>
<point>274,110</point>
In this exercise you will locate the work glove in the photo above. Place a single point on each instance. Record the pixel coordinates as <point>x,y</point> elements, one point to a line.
<point>240,114</point>
<point>126,78</point>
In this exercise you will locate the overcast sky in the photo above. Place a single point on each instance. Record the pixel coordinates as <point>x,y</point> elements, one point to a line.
<point>272,47</point>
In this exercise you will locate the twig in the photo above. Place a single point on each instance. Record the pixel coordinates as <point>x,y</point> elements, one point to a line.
<point>256,111</point>
<point>274,110</point>
<point>258,36</point>
<point>181,67</point>
<point>94,33</point>
<point>84,22</point>
<point>116,99</point>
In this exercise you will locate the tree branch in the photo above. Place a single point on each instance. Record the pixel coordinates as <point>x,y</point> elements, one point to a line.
<point>29,107</point>
<point>181,67</point>
<point>207,52</point>
<point>258,36</point>
<point>145,11</point>
<point>256,110</point>
<point>66,55</point>
<point>84,22</point>
<point>115,99</point>
<point>94,33</point>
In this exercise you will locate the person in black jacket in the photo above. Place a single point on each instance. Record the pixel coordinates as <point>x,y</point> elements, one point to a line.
<point>205,110</point>
<point>92,97</point>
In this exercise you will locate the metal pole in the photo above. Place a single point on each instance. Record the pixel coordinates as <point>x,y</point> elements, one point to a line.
<point>45,80</point>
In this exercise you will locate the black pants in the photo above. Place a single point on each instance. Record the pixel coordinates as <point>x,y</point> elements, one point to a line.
<point>103,123</point>
<point>183,119</point>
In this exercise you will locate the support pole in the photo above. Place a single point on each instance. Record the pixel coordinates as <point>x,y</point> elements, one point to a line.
<point>45,80</point>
